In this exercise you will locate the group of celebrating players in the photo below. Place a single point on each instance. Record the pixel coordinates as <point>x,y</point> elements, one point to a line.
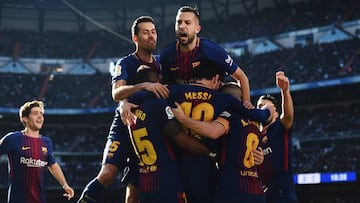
<point>185,129</point>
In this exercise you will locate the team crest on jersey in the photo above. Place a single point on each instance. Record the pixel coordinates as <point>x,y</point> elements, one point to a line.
<point>169,112</point>
<point>44,150</point>
<point>118,70</point>
<point>195,64</point>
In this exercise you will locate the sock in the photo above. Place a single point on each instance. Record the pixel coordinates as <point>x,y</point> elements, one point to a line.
<point>92,192</point>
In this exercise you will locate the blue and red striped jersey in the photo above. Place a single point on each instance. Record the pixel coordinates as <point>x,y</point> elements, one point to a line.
<point>28,158</point>
<point>126,67</point>
<point>159,170</point>
<point>238,172</point>
<point>177,66</point>
<point>276,172</point>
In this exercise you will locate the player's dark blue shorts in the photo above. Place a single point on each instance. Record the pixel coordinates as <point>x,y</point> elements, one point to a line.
<point>119,151</point>
<point>199,175</point>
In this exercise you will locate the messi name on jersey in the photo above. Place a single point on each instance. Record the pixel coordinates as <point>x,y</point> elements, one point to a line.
<point>197,95</point>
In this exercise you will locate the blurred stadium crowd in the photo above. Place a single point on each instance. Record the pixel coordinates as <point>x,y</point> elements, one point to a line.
<point>326,128</point>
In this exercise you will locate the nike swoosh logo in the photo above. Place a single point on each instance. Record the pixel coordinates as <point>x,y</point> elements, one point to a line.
<point>25,148</point>
<point>175,68</point>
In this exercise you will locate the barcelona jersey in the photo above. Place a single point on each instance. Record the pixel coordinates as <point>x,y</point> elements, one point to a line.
<point>177,66</point>
<point>118,147</point>
<point>126,67</point>
<point>27,158</point>
<point>276,172</point>
<point>159,175</point>
<point>204,104</point>
<point>238,177</point>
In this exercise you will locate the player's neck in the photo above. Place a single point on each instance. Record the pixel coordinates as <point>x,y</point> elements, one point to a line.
<point>204,83</point>
<point>144,56</point>
<point>31,133</point>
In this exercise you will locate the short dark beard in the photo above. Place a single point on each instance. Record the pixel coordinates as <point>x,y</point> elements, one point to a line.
<point>190,40</point>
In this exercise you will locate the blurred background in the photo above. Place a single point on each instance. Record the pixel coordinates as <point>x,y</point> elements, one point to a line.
<point>63,52</point>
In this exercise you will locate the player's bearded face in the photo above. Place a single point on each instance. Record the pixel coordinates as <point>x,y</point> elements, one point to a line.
<point>148,43</point>
<point>147,36</point>
<point>185,38</point>
<point>186,28</point>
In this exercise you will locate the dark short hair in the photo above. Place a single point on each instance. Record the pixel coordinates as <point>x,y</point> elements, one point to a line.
<point>272,99</point>
<point>207,69</point>
<point>229,87</point>
<point>137,21</point>
<point>190,9</point>
<point>143,74</point>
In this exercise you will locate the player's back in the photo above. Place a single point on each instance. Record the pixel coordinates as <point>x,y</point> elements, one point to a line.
<point>238,177</point>
<point>202,104</point>
<point>158,166</point>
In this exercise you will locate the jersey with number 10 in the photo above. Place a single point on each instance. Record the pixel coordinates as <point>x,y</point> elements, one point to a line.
<point>204,104</point>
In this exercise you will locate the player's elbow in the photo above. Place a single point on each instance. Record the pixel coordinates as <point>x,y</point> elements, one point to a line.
<point>116,97</point>
<point>215,133</point>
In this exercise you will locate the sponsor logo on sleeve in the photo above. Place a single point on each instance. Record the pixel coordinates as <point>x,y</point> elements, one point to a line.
<point>169,112</point>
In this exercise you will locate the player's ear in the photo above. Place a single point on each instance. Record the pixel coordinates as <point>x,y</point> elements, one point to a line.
<point>24,119</point>
<point>135,38</point>
<point>198,29</point>
<point>216,80</point>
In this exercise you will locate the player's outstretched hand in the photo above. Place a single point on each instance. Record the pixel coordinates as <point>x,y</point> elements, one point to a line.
<point>69,192</point>
<point>282,81</point>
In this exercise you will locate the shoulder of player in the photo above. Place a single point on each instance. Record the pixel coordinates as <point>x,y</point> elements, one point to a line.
<point>11,135</point>
<point>46,138</point>
<point>205,43</point>
<point>174,89</point>
<point>127,60</point>
<point>169,49</point>
<point>138,97</point>
<point>278,125</point>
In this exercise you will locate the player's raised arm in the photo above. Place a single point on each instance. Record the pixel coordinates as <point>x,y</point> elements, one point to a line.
<point>287,115</point>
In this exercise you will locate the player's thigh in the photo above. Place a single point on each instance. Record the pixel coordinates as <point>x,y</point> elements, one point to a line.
<point>118,149</point>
